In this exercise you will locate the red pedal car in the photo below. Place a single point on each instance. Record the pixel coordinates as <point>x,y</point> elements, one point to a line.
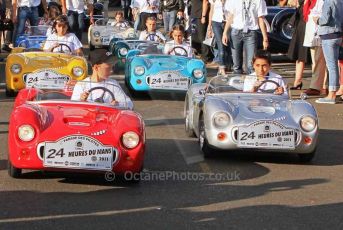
<point>48,131</point>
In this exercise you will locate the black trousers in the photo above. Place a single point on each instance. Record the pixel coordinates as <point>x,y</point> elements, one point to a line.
<point>198,37</point>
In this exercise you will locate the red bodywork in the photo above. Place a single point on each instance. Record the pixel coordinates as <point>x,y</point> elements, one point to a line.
<point>53,120</point>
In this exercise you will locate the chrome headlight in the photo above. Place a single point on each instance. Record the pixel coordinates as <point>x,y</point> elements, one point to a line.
<point>197,73</point>
<point>123,51</point>
<point>96,34</point>
<point>26,132</point>
<point>77,71</point>
<point>308,123</point>
<point>139,70</point>
<point>16,68</point>
<point>221,119</point>
<point>130,139</point>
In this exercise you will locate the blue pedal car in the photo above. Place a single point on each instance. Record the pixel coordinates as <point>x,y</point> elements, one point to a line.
<point>34,37</point>
<point>150,70</point>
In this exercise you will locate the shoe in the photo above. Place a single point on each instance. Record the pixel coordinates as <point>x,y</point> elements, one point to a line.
<point>339,98</point>
<point>212,64</point>
<point>299,86</point>
<point>6,48</point>
<point>312,92</point>
<point>325,100</point>
<point>221,70</point>
<point>324,92</point>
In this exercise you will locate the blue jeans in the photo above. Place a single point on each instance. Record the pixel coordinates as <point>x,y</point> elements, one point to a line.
<point>243,41</point>
<point>26,13</point>
<point>331,52</point>
<point>224,52</point>
<point>76,23</point>
<point>169,19</point>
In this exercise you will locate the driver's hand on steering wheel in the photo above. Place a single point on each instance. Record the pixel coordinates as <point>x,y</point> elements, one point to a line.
<point>84,96</point>
<point>256,86</point>
<point>114,102</point>
<point>279,90</point>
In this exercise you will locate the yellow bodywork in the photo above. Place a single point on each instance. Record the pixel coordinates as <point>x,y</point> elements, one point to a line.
<point>32,62</point>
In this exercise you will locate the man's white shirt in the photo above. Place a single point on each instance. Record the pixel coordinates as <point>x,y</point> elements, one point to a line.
<point>245,13</point>
<point>28,3</point>
<point>77,5</point>
<point>110,84</point>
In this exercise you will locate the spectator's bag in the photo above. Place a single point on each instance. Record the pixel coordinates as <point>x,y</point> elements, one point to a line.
<point>311,38</point>
<point>210,42</point>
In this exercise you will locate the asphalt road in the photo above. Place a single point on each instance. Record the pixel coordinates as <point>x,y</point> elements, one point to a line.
<point>181,190</point>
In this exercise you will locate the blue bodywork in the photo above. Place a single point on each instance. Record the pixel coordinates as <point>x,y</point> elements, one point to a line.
<point>29,41</point>
<point>167,68</point>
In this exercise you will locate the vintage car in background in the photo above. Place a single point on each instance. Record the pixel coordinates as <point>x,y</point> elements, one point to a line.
<point>224,117</point>
<point>150,70</point>
<point>104,30</point>
<point>279,30</point>
<point>120,48</point>
<point>34,37</point>
<point>49,131</point>
<point>25,66</point>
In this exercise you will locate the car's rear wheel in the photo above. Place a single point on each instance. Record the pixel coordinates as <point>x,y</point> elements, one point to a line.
<point>10,92</point>
<point>307,157</point>
<point>204,147</point>
<point>13,171</point>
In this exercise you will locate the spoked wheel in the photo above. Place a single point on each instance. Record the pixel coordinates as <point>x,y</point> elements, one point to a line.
<point>207,150</point>
<point>286,29</point>
<point>13,171</point>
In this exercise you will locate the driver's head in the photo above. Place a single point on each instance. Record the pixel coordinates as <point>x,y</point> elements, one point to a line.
<point>261,63</point>
<point>61,25</point>
<point>102,63</point>
<point>151,24</point>
<point>177,34</point>
<point>119,16</point>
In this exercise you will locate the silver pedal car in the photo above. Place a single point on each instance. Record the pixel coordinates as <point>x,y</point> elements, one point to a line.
<point>224,117</point>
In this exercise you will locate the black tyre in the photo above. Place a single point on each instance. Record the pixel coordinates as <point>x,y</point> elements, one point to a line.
<point>91,47</point>
<point>10,92</point>
<point>13,171</point>
<point>189,131</point>
<point>305,158</point>
<point>205,148</point>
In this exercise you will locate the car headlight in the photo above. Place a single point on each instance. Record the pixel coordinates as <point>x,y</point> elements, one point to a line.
<point>96,34</point>
<point>221,119</point>
<point>123,51</point>
<point>16,68</point>
<point>139,70</point>
<point>26,132</point>
<point>197,73</point>
<point>308,123</point>
<point>77,71</point>
<point>130,139</point>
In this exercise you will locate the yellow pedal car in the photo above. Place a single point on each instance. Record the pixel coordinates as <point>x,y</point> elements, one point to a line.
<point>25,66</point>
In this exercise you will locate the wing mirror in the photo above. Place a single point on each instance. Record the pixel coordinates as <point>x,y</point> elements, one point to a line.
<point>202,91</point>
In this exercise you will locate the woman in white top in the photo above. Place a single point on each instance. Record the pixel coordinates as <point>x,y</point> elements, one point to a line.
<point>178,46</point>
<point>61,40</point>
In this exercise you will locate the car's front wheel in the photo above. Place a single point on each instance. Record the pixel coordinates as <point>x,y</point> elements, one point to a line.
<point>10,92</point>
<point>13,171</point>
<point>204,147</point>
<point>307,157</point>
<point>189,131</point>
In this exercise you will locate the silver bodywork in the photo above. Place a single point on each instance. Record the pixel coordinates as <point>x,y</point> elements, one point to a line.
<point>202,104</point>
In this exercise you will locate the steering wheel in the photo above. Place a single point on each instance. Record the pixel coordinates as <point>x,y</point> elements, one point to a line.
<point>267,90</point>
<point>101,98</point>
<point>152,38</point>
<point>121,25</point>
<point>174,49</point>
<point>61,45</point>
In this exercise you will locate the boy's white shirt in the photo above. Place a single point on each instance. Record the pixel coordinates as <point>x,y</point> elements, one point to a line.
<point>251,79</point>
